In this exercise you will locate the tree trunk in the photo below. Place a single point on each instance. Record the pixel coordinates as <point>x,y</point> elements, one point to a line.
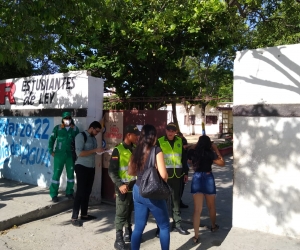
<point>203,106</point>
<point>187,119</point>
<point>175,120</point>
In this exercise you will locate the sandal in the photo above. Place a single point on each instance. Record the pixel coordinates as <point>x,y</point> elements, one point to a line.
<point>214,229</point>
<point>195,240</point>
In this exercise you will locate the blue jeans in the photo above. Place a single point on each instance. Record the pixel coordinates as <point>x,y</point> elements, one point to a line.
<point>158,208</point>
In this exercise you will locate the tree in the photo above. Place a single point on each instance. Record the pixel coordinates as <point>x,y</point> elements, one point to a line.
<point>9,71</point>
<point>141,47</point>
<point>210,80</point>
<point>137,46</point>
<point>271,22</point>
<point>37,28</point>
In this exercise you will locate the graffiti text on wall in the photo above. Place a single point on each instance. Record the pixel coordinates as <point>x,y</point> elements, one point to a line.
<point>52,84</point>
<point>25,140</point>
<point>41,91</point>
<point>7,89</point>
<point>113,133</point>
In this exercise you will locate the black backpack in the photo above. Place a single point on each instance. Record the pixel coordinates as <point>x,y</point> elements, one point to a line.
<point>73,149</point>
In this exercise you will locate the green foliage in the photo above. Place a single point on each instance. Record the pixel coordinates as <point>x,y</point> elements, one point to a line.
<point>137,46</point>
<point>9,71</point>
<point>270,22</point>
<point>224,145</point>
<point>35,28</point>
<point>109,104</point>
<point>148,48</point>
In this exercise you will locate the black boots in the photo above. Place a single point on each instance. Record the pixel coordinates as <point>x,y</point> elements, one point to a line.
<point>127,234</point>
<point>119,243</point>
<point>55,199</point>
<point>180,230</point>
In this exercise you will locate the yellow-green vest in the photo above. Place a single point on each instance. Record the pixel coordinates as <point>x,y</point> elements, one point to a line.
<point>123,163</point>
<point>172,156</point>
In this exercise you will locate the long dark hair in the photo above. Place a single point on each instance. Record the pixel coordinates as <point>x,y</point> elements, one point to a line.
<point>203,146</point>
<point>145,143</point>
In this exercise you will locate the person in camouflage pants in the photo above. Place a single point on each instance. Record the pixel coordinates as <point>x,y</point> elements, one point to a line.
<point>117,171</point>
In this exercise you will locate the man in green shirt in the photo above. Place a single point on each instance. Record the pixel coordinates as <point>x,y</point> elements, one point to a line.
<point>117,171</point>
<point>63,134</point>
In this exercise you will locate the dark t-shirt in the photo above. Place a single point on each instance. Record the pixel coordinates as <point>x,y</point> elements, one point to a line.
<point>190,154</point>
<point>140,173</point>
<point>184,141</point>
<point>204,162</point>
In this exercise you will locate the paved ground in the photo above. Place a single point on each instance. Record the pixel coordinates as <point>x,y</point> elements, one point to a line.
<point>50,226</point>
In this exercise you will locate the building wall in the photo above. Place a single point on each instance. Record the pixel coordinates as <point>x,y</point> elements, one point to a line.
<point>196,128</point>
<point>29,109</point>
<point>266,140</point>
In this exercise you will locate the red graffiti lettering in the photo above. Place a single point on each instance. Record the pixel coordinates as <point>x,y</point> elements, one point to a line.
<point>113,135</point>
<point>7,90</point>
<point>114,130</point>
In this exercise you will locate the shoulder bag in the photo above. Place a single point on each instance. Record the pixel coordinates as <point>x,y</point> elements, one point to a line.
<point>152,186</point>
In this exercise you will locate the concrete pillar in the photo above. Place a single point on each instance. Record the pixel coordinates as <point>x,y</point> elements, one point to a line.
<point>266,125</point>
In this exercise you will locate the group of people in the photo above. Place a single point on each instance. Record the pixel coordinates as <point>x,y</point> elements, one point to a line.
<point>126,169</point>
<point>63,135</point>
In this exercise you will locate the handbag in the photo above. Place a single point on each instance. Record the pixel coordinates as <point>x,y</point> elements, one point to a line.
<point>152,186</point>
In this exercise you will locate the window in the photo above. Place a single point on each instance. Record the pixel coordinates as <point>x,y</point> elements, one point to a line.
<point>211,119</point>
<point>192,120</point>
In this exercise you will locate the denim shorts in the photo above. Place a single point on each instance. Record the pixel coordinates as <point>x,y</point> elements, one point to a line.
<point>204,183</point>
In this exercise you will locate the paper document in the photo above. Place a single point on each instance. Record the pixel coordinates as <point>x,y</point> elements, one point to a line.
<point>106,151</point>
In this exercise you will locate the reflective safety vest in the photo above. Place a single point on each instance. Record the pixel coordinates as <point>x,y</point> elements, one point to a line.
<point>172,156</point>
<point>123,161</point>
